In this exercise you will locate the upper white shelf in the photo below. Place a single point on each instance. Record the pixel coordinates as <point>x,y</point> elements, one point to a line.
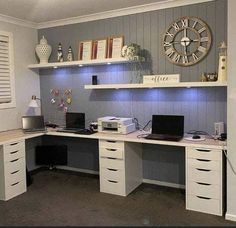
<point>150,86</point>
<point>80,63</point>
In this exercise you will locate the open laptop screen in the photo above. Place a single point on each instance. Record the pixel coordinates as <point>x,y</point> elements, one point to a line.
<point>75,120</point>
<point>168,124</point>
<point>31,123</point>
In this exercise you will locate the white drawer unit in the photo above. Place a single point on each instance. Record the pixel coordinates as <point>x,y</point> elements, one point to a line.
<point>12,170</point>
<point>120,167</point>
<point>204,180</point>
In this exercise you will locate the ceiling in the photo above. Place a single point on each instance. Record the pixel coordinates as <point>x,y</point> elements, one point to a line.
<point>41,11</point>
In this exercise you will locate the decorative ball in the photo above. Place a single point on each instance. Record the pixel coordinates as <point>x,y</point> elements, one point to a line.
<point>130,51</point>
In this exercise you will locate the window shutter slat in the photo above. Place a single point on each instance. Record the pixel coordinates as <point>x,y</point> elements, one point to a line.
<point>5,80</point>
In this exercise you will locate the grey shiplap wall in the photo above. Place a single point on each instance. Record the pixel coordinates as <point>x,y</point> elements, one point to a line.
<point>201,107</point>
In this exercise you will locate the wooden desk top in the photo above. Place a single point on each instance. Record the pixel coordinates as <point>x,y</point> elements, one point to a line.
<point>9,136</point>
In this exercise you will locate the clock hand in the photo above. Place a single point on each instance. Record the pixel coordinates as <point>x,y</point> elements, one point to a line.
<point>185,32</point>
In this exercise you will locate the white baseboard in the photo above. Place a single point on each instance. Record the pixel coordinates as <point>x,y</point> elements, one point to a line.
<point>148,181</point>
<point>163,183</point>
<point>78,170</point>
<point>230,217</point>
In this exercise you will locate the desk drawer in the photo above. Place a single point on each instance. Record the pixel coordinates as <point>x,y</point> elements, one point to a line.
<point>14,150</point>
<point>111,163</point>
<point>15,189</point>
<point>203,153</point>
<point>112,187</point>
<point>16,176</point>
<point>14,165</point>
<point>111,153</point>
<point>204,164</point>
<point>111,144</point>
<point>112,174</point>
<point>205,190</point>
<point>207,205</point>
<point>204,176</point>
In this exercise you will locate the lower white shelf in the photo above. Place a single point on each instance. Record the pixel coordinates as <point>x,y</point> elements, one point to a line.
<point>150,86</point>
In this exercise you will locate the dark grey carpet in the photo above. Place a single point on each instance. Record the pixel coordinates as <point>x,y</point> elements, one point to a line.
<point>59,198</point>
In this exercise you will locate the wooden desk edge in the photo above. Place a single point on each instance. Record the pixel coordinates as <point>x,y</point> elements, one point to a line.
<point>12,135</point>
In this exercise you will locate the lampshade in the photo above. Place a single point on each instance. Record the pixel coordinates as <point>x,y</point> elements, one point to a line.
<point>33,103</point>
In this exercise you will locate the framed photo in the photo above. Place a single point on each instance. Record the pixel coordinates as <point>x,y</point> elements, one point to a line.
<point>99,49</point>
<point>85,50</point>
<point>115,45</point>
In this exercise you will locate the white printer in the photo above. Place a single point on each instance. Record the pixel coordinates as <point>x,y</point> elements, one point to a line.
<point>111,124</point>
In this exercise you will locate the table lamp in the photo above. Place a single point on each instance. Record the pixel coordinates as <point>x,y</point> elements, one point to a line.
<point>34,104</point>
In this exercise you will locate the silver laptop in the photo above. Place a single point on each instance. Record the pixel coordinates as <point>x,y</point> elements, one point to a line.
<point>33,124</point>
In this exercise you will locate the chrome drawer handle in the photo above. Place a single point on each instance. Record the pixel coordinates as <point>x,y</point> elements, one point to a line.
<point>202,150</point>
<point>205,170</point>
<point>203,183</point>
<point>110,141</point>
<point>15,172</point>
<point>114,170</point>
<point>13,152</point>
<point>12,144</point>
<point>203,160</point>
<point>14,160</point>
<point>201,197</point>
<point>111,149</point>
<point>15,183</point>
<point>113,181</point>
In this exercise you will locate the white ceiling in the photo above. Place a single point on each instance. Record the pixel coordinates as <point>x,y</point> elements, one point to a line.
<point>40,11</point>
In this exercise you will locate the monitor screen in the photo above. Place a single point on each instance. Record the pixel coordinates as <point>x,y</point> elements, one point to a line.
<point>75,120</point>
<point>32,122</point>
<point>168,124</point>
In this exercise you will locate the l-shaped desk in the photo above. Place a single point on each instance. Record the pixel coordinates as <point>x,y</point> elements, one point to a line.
<point>120,166</point>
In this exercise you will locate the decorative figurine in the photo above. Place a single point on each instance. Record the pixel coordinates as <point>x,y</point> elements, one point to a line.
<point>59,53</point>
<point>43,50</point>
<point>222,68</point>
<point>70,54</point>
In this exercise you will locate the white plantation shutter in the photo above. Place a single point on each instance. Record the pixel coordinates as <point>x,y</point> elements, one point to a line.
<point>6,68</point>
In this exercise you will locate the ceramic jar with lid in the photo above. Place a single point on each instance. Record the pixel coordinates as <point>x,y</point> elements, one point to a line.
<point>43,50</point>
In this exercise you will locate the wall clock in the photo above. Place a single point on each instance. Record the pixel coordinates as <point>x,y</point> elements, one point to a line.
<point>187,41</point>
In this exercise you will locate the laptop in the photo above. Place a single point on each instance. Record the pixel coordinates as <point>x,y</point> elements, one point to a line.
<point>167,127</point>
<point>74,122</point>
<point>33,124</point>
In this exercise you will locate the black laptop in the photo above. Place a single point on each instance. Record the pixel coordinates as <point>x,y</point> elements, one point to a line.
<point>33,124</point>
<point>74,122</point>
<point>167,127</point>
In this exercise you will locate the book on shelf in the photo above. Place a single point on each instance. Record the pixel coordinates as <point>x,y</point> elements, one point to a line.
<point>115,44</point>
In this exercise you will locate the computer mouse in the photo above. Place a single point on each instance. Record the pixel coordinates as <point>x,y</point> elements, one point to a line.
<point>196,137</point>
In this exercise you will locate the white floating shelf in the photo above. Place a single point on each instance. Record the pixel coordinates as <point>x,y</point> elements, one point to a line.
<point>150,86</point>
<point>80,63</point>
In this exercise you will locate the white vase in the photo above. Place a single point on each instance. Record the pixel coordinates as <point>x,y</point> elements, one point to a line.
<point>43,50</point>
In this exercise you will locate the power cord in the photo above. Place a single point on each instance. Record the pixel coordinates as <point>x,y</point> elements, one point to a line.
<point>146,124</point>
<point>230,164</point>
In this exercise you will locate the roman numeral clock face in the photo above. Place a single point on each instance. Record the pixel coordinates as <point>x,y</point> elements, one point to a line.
<point>187,41</point>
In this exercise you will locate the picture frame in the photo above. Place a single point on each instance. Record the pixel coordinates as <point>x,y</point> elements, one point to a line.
<point>115,44</point>
<point>99,49</point>
<point>85,50</point>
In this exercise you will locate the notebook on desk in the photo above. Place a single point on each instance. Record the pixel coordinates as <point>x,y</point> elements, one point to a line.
<point>32,124</point>
<point>167,127</point>
<point>74,122</point>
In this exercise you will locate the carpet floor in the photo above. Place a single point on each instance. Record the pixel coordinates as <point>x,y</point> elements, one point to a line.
<point>61,198</point>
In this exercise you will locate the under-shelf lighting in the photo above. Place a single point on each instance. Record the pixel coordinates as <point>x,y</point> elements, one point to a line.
<point>80,65</point>
<point>55,67</point>
<point>108,63</point>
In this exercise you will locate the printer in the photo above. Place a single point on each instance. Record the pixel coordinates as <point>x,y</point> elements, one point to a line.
<point>112,124</point>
